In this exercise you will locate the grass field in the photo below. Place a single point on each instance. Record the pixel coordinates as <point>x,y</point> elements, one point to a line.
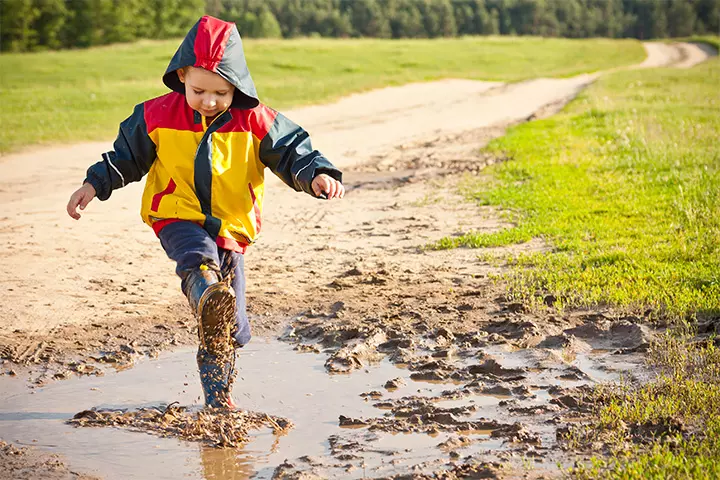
<point>70,96</point>
<point>624,185</point>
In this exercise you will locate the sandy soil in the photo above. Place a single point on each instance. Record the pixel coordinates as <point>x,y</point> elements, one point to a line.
<point>82,296</point>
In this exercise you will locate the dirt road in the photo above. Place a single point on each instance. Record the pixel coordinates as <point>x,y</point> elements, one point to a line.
<point>77,295</point>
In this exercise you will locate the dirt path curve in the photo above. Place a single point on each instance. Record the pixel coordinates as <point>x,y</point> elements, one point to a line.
<point>104,282</point>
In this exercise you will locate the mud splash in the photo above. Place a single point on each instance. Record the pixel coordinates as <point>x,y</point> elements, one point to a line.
<point>217,428</point>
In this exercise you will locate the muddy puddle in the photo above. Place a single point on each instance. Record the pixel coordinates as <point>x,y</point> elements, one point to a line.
<point>276,379</point>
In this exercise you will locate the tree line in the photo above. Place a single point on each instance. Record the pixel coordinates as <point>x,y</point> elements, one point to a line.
<point>29,25</point>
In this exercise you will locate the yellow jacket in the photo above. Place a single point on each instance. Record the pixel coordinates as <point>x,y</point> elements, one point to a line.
<point>209,174</point>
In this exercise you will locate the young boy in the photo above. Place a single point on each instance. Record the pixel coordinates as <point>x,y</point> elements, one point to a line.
<point>204,147</point>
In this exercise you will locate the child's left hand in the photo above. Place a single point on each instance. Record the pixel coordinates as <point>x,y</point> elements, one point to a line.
<point>329,186</point>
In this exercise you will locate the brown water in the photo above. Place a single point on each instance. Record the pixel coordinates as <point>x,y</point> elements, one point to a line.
<point>275,379</point>
<point>272,378</point>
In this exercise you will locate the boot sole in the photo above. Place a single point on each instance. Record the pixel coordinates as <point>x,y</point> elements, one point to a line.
<point>217,316</point>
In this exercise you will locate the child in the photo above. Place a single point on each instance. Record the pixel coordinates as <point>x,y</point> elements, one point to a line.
<point>204,147</point>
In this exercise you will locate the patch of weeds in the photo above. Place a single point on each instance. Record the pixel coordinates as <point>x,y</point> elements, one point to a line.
<point>667,428</point>
<point>502,238</point>
<point>492,258</point>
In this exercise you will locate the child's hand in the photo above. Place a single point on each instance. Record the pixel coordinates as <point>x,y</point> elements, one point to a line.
<point>329,186</point>
<point>80,198</point>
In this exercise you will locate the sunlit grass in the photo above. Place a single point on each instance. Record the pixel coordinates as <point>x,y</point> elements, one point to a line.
<point>76,95</point>
<point>676,417</point>
<point>625,187</point>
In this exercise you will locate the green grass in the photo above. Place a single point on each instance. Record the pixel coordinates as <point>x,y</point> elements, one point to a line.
<point>667,428</point>
<point>712,40</point>
<point>625,187</point>
<point>76,95</point>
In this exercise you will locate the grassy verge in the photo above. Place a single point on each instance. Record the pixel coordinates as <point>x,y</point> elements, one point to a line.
<point>625,186</point>
<point>83,94</point>
<point>667,428</point>
<point>712,40</point>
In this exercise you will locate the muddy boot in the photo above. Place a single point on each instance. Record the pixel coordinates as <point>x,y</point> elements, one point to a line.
<point>213,302</point>
<point>216,377</point>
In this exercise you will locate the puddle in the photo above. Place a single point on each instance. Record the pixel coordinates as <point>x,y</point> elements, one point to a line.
<point>274,379</point>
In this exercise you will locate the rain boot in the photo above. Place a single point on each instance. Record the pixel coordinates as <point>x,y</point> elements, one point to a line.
<point>213,303</point>
<point>216,378</point>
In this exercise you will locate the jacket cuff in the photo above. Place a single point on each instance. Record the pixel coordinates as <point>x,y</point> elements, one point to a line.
<point>101,191</point>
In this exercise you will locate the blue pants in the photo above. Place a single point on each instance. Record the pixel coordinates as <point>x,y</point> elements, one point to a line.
<point>190,246</point>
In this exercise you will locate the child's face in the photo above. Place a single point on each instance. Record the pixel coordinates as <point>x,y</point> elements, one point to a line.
<point>206,92</point>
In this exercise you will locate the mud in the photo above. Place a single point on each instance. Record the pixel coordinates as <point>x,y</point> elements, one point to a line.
<point>213,427</point>
<point>24,463</point>
<point>70,350</point>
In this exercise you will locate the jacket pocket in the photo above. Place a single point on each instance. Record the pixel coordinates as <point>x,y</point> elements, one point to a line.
<point>159,196</point>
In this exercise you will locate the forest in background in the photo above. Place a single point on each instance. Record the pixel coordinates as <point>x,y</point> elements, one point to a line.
<point>31,25</point>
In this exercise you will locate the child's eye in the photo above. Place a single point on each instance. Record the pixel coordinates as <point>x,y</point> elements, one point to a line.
<point>197,92</point>
<point>222,94</point>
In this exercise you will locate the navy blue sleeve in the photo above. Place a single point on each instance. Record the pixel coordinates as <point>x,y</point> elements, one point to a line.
<point>287,151</point>
<point>131,158</point>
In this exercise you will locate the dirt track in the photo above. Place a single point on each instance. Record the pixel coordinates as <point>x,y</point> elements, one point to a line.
<point>78,295</point>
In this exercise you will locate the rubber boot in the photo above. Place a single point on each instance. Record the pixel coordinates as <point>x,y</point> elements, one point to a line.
<point>216,378</point>
<point>213,303</point>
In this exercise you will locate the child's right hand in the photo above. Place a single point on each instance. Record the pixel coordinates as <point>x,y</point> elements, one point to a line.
<point>80,198</point>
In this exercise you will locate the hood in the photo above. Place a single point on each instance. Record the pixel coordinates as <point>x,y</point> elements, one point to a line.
<point>214,45</point>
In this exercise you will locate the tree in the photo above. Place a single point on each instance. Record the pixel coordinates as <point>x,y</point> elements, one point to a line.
<point>289,14</point>
<point>50,22</point>
<point>173,18</point>
<point>504,19</point>
<point>681,16</point>
<point>86,24</point>
<point>439,18</point>
<point>658,20</point>
<point>367,18</point>
<point>215,8</point>
<point>268,26</point>
<point>464,17</point>
<point>708,15</point>
<point>16,19</point>
<point>125,21</point>
<point>33,24</point>
<point>406,21</point>
<point>335,24</point>
<point>485,22</point>
<point>569,17</point>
